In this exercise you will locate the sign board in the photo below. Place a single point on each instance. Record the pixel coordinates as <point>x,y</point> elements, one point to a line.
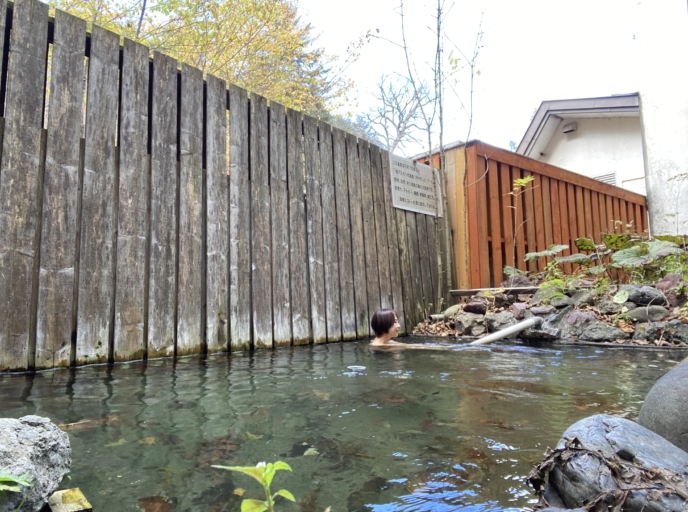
<point>414,186</point>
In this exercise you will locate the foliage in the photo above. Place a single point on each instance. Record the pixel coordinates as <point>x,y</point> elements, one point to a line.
<point>615,242</point>
<point>575,258</point>
<point>548,253</point>
<point>513,271</point>
<point>263,473</point>
<point>585,244</point>
<point>643,254</point>
<point>13,483</point>
<point>621,297</point>
<point>521,183</point>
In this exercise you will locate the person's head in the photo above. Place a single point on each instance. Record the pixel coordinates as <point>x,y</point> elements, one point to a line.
<point>385,321</point>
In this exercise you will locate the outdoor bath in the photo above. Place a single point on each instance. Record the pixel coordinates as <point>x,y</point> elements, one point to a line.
<point>417,430</point>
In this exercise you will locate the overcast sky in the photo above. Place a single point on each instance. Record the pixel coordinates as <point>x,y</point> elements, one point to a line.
<point>532,50</point>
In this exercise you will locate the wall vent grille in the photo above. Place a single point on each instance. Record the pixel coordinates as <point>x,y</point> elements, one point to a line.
<point>607,178</point>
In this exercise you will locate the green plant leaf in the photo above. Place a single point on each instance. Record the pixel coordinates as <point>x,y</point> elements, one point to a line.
<point>643,254</point>
<point>614,242</point>
<point>597,270</point>
<point>513,271</point>
<point>254,506</point>
<point>621,297</point>
<point>578,258</point>
<point>282,465</point>
<point>285,494</point>
<point>548,253</point>
<point>585,244</point>
<point>11,488</point>
<point>23,480</point>
<point>255,472</point>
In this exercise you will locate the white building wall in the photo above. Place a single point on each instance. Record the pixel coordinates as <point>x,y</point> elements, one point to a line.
<point>601,146</point>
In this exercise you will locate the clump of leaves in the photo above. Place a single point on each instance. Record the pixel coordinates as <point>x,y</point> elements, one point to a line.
<point>263,473</point>
<point>13,483</point>
<point>513,271</point>
<point>550,252</point>
<point>643,254</point>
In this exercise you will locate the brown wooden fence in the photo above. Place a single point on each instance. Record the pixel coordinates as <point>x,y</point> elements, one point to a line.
<point>492,228</point>
<point>153,212</point>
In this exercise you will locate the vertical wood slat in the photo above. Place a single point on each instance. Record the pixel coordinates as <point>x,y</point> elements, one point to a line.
<point>60,188</point>
<point>163,214</point>
<point>610,227</point>
<point>580,213</point>
<point>624,215</point>
<point>564,220</point>
<point>98,209</point>
<point>416,296</point>
<point>190,281</point>
<point>434,264</point>
<point>314,224</point>
<point>372,274</point>
<point>595,210</point>
<point>559,219</point>
<point>261,256</point>
<point>637,218</point>
<point>603,213</point>
<point>473,230</point>
<point>405,270</point>
<point>357,241</point>
<point>425,273</point>
<point>279,202</point>
<point>330,203</point>
<point>573,215</point>
<point>539,218</point>
<point>393,244</point>
<point>492,178</point>
<point>132,220</point>
<point>547,210</point>
<point>444,244</point>
<point>381,236</point>
<point>219,270</point>
<point>617,216</point>
<point>3,28</point>
<point>239,222</point>
<point>508,215</point>
<point>298,249</point>
<point>587,201</point>
<point>520,224</point>
<point>483,223</point>
<point>631,216</point>
<point>529,219</point>
<point>346,279</point>
<point>20,180</point>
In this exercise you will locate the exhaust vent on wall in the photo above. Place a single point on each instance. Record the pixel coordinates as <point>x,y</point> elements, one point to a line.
<point>607,178</point>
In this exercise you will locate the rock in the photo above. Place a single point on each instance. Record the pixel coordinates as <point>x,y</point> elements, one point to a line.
<point>516,282</point>
<point>672,331</point>
<point>668,286</point>
<point>470,324</point>
<point>584,476</point>
<point>649,314</point>
<point>477,305</point>
<point>583,325</point>
<point>497,300</point>
<point>33,445</point>
<point>498,321</point>
<point>519,310</point>
<point>561,302</point>
<point>649,331</point>
<point>630,306</point>
<point>597,330</point>
<point>451,311</point>
<point>665,410</point>
<point>676,330</point>
<point>543,310</point>
<point>546,293</point>
<point>644,295</point>
<point>608,307</point>
<point>583,297</point>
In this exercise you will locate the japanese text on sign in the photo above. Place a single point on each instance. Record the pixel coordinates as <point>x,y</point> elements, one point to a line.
<point>414,187</point>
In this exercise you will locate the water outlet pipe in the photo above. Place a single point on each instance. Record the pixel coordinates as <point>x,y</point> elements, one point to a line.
<point>521,326</point>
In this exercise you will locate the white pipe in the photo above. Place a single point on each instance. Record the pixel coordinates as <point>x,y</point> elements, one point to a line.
<point>521,326</point>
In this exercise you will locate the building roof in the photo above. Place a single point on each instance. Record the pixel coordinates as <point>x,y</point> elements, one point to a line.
<point>450,145</point>
<point>551,113</point>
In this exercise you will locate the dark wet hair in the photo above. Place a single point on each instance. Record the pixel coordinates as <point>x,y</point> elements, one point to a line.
<point>382,321</point>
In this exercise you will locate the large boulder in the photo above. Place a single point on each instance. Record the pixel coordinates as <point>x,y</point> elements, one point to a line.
<point>469,324</point>
<point>644,295</point>
<point>498,321</point>
<point>665,410</point>
<point>670,285</point>
<point>36,446</point>
<point>600,455</point>
<point>671,331</point>
<point>649,314</point>
<point>477,304</point>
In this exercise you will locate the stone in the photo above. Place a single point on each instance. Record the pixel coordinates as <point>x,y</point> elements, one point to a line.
<point>597,330</point>
<point>649,314</point>
<point>561,302</point>
<point>630,306</point>
<point>470,324</point>
<point>668,286</point>
<point>451,311</point>
<point>672,331</point>
<point>477,305</point>
<point>498,321</point>
<point>665,410</point>
<point>543,310</point>
<point>33,445</point>
<point>583,297</point>
<point>608,307</point>
<point>519,310</point>
<point>584,326</point>
<point>516,282</point>
<point>644,295</point>
<point>69,500</point>
<point>546,293</point>
<point>583,477</point>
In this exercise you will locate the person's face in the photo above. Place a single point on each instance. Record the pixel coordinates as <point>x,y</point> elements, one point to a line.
<point>394,330</point>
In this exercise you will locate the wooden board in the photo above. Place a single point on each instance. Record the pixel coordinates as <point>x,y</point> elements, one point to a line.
<point>427,283</point>
<point>298,248</point>
<point>314,223</point>
<point>572,215</point>
<point>407,287</point>
<point>529,219</point>
<point>473,228</point>
<point>378,197</point>
<point>279,201</point>
<point>393,244</point>
<point>539,220</point>
<point>239,222</point>
<point>60,195</point>
<point>261,250</point>
<point>20,181</point>
<point>218,222</point>
<point>587,202</point>
<point>190,271</point>
<point>369,236</point>
<point>357,240</point>
<point>99,208</point>
<point>434,263</point>
<point>580,213</point>
<point>416,288</point>
<point>520,224</point>
<point>483,223</point>
<point>547,211</point>
<point>610,228</point>
<point>163,213</point>
<point>508,201</point>
<point>330,237</point>
<point>492,177</point>
<point>3,50</point>
<point>444,247</point>
<point>132,219</point>
<point>595,210</point>
<point>346,279</point>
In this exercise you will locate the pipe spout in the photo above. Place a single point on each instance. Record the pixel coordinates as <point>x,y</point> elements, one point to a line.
<point>521,326</point>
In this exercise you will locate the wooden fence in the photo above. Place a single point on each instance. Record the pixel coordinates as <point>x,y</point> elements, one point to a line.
<point>492,228</point>
<point>146,211</point>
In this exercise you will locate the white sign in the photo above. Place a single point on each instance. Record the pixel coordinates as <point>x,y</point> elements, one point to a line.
<point>414,187</point>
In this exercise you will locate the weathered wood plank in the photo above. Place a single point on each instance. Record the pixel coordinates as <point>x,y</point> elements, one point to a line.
<point>393,245</point>
<point>529,219</point>
<point>564,214</point>
<point>539,220</point>
<point>3,27</point>
<point>425,264</point>
<point>473,230</point>
<point>556,215</point>
<point>281,307</point>
<point>60,189</point>
<point>611,226</point>
<point>261,251</point>
<point>492,178</point>
<point>596,217</point>
<point>508,216</point>
<point>378,196</point>
<point>483,222</point>
<point>624,214</point>
<point>219,251</point>
<point>444,245</point>
<point>330,202</point>
<point>547,211</point>
<point>98,203</point>
<point>190,285</point>
<point>520,223</point>
<point>580,213</point>
<point>314,221</point>
<point>163,213</point>
<point>434,263</point>
<point>20,180</point>
<point>239,222</point>
<point>298,249</point>
<point>357,240</point>
<point>416,288</point>
<point>572,215</point>
<point>407,287</point>
<point>346,279</point>
<point>369,237</point>
<point>587,201</point>
<point>132,233</point>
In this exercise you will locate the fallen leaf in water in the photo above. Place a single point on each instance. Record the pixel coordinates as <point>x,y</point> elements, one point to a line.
<point>311,451</point>
<point>118,443</point>
<point>155,504</point>
<point>147,440</point>
<point>253,437</point>
<point>80,425</point>
<point>239,491</point>
<point>394,399</point>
